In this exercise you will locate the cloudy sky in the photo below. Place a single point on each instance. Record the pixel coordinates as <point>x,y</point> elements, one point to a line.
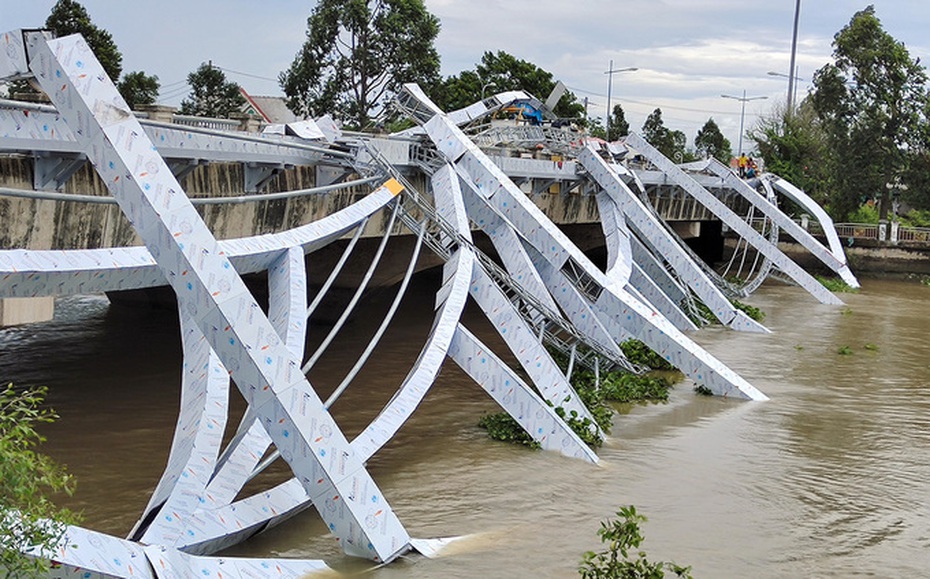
<point>688,52</point>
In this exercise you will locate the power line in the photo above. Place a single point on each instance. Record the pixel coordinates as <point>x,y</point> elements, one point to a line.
<point>654,105</point>
<point>229,70</point>
<point>171,84</point>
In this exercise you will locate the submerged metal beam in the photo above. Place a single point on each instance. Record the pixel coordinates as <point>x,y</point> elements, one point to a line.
<point>210,291</point>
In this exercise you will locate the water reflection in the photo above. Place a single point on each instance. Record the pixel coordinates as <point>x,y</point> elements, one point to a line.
<point>829,477</point>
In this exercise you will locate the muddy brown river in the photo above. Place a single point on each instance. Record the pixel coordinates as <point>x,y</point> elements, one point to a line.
<point>831,477</point>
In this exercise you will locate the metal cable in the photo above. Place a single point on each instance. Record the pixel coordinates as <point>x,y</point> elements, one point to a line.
<point>358,294</point>
<point>384,323</point>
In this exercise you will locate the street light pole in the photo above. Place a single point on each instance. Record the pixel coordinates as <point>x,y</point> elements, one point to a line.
<point>794,50</point>
<point>797,79</point>
<point>742,115</point>
<point>610,78</point>
<point>485,86</point>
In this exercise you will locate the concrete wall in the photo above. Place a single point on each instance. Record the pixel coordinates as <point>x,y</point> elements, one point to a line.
<point>32,224</point>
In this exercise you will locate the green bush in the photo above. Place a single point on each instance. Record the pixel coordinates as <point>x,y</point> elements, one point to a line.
<point>751,311</point>
<point>582,426</point>
<point>639,353</point>
<point>866,213</point>
<point>501,426</point>
<point>28,518</point>
<point>916,218</point>
<point>614,386</point>
<point>624,387</point>
<point>622,559</point>
<point>707,314</point>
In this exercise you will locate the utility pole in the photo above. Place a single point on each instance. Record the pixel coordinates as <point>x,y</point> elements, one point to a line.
<point>742,115</point>
<point>610,78</point>
<point>794,50</point>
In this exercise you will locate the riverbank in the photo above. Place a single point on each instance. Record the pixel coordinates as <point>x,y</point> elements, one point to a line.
<point>869,259</point>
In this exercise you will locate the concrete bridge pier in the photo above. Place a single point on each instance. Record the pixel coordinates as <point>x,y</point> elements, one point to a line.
<point>15,311</point>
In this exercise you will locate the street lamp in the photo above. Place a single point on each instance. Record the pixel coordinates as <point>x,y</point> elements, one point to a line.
<point>742,115</point>
<point>797,78</point>
<point>485,86</point>
<point>610,77</point>
<point>794,50</point>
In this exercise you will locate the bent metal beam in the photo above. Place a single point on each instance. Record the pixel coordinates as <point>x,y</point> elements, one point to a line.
<point>211,293</point>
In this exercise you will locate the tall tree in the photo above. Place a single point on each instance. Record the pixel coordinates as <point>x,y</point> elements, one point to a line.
<point>498,72</point>
<point>710,142</point>
<point>70,17</point>
<point>357,55</point>
<point>873,101</point>
<point>211,94</point>
<point>670,143</point>
<point>138,88</point>
<point>618,126</point>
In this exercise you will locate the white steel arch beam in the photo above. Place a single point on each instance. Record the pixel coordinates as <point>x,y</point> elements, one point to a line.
<point>577,311</point>
<point>538,419</point>
<point>645,224</point>
<point>623,272</point>
<point>615,306</point>
<point>530,353</point>
<point>834,257</point>
<point>196,444</point>
<point>804,200</point>
<point>457,274</point>
<point>33,273</point>
<point>734,221</point>
<point>213,294</point>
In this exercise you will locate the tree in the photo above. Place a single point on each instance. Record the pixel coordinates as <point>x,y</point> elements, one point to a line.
<point>873,104</point>
<point>69,17</point>
<point>499,72</point>
<point>458,91</point>
<point>794,146</point>
<point>357,54</point>
<point>595,128</point>
<point>28,518</point>
<point>617,126</point>
<point>710,142</point>
<point>138,88</point>
<point>669,143</point>
<point>654,129</point>
<point>211,94</point>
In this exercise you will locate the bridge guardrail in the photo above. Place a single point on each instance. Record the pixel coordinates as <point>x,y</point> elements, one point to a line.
<point>206,122</point>
<point>891,232</point>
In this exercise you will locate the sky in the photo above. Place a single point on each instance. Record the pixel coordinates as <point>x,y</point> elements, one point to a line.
<point>687,52</point>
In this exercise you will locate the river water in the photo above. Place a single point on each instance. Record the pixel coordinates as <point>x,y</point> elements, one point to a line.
<point>830,477</point>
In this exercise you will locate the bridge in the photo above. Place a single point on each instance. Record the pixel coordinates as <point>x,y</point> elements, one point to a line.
<point>477,197</point>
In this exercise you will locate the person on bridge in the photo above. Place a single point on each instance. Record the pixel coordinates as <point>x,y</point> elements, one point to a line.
<point>742,163</point>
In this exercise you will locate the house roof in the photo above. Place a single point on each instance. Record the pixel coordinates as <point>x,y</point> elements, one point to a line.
<point>270,108</point>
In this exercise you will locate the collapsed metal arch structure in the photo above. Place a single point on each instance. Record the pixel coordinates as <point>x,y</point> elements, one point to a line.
<point>544,292</point>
